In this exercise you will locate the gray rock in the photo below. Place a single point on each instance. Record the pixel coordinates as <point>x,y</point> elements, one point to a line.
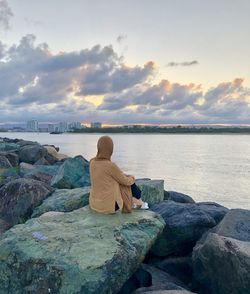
<point>221,258</point>
<point>73,173</point>
<point>4,226</point>
<point>169,292</point>
<point>76,252</point>
<point>9,147</point>
<point>178,197</point>
<point>214,209</point>
<point>12,157</point>
<point>185,224</point>
<point>179,267</point>
<point>4,162</point>
<point>23,143</point>
<point>160,281</point>
<point>32,153</point>
<point>42,161</point>
<point>64,200</point>
<point>152,190</point>
<point>19,197</point>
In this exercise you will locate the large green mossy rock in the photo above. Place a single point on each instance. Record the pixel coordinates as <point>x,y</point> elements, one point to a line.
<point>73,173</point>
<point>64,200</point>
<point>76,252</point>
<point>152,190</point>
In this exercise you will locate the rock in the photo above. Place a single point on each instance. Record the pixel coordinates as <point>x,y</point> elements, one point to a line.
<point>221,258</point>
<point>73,173</point>
<point>152,190</point>
<point>42,161</point>
<point>214,209</point>
<point>32,153</point>
<point>42,177</point>
<point>4,162</point>
<point>9,147</point>
<point>25,167</point>
<point>53,146</point>
<point>160,281</point>
<point>12,157</point>
<point>169,292</point>
<point>9,172</point>
<point>23,143</point>
<point>178,197</point>
<point>19,197</point>
<point>185,224</point>
<point>179,267</point>
<point>76,252</point>
<point>4,226</point>
<point>64,200</point>
<point>29,169</point>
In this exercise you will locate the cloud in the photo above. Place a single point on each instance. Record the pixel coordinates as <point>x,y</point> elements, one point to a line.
<point>184,63</point>
<point>5,15</point>
<point>121,38</point>
<point>38,83</point>
<point>33,22</point>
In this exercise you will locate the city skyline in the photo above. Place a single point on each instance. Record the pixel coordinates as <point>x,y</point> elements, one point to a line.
<point>120,62</point>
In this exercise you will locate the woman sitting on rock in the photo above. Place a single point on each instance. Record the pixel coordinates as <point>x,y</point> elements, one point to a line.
<point>111,189</point>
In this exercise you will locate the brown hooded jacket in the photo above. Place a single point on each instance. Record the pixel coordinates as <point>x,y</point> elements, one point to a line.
<point>108,183</point>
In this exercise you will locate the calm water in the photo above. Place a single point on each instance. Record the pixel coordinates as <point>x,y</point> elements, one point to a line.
<point>206,167</point>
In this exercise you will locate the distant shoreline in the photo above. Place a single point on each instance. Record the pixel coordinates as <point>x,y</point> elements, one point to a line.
<point>176,130</point>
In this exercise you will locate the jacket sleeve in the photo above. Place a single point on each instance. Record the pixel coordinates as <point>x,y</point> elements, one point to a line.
<point>120,177</point>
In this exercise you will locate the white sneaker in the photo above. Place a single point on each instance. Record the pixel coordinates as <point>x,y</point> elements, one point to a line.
<point>144,206</point>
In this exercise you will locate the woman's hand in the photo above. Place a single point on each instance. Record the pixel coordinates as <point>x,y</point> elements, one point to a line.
<point>131,176</point>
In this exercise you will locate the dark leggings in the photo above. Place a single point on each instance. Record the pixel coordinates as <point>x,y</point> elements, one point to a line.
<point>136,192</point>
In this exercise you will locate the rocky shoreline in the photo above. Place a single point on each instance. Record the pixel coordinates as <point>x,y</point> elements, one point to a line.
<point>51,242</point>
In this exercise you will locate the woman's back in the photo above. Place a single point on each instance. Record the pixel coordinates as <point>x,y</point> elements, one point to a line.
<point>105,178</point>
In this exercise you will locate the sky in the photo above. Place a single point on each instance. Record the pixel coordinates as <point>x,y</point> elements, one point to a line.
<point>125,61</point>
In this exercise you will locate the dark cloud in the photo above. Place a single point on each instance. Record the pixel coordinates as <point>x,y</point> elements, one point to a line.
<point>51,87</point>
<point>5,15</point>
<point>184,63</point>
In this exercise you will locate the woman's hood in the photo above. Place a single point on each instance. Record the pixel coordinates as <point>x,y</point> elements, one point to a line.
<point>105,147</point>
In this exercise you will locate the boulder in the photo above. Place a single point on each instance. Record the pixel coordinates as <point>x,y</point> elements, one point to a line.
<point>178,266</point>
<point>13,158</point>
<point>73,173</point>
<point>19,197</point>
<point>152,190</point>
<point>160,281</point>
<point>32,153</point>
<point>4,146</point>
<point>185,224</point>
<point>76,252</point>
<point>23,143</point>
<point>27,170</point>
<point>39,176</point>
<point>53,153</point>
<point>221,258</point>
<point>4,162</point>
<point>64,200</point>
<point>4,226</point>
<point>42,161</point>
<point>178,197</point>
<point>9,172</point>
<point>169,292</point>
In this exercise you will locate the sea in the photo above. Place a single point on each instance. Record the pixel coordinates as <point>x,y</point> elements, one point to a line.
<point>207,167</point>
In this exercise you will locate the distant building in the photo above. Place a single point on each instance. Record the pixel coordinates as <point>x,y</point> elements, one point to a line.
<point>32,125</point>
<point>96,125</point>
<point>76,125</point>
<point>51,128</point>
<point>63,126</point>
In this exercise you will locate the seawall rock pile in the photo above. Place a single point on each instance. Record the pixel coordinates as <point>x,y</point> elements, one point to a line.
<point>51,242</point>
